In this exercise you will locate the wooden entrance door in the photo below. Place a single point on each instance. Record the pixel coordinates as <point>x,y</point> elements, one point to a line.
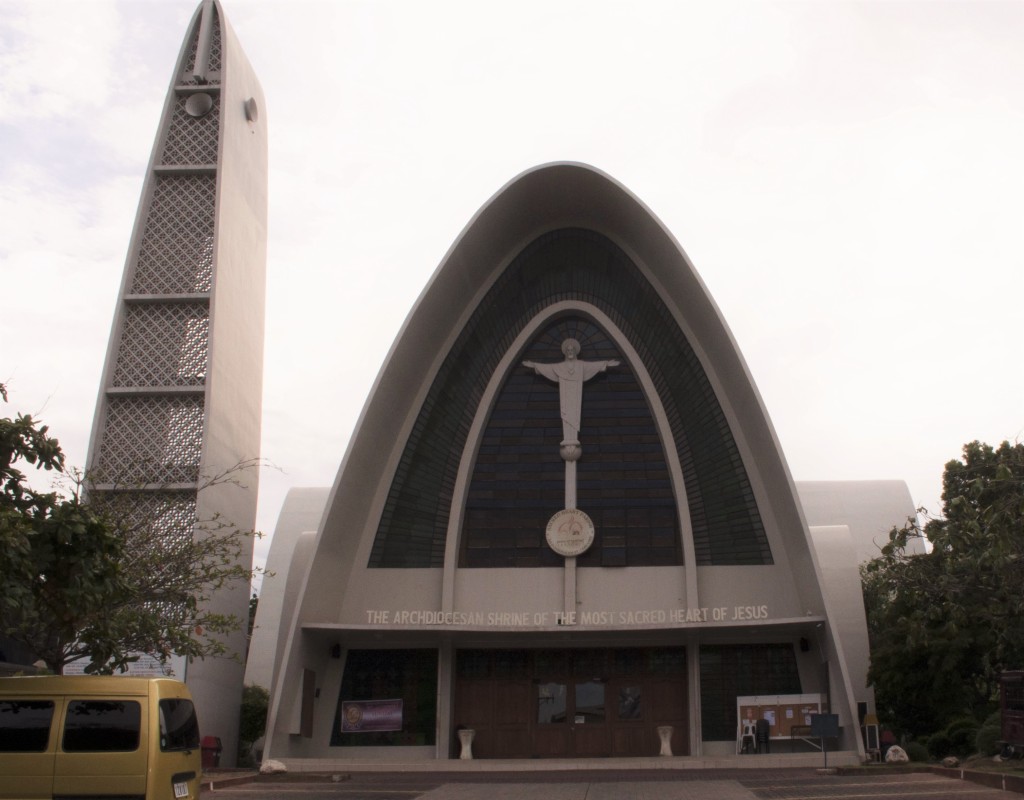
<point>571,703</point>
<point>572,708</point>
<point>571,718</point>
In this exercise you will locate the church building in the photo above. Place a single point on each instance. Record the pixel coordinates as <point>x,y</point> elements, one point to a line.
<point>564,526</point>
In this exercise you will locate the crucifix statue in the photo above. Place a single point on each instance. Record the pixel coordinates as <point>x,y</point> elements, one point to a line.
<point>570,375</point>
<point>570,531</point>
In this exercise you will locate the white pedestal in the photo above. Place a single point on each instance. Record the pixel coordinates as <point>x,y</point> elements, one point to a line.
<point>466,740</point>
<point>665,734</point>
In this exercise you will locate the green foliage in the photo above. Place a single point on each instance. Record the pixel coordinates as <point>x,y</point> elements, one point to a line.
<point>254,603</point>
<point>986,742</point>
<point>255,700</point>
<point>939,745</point>
<point>916,752</point>
<point>22,439</point>
<point>944,624</point>
<point>99,578</point>
<point>61,576</point>
<point>962,733</point>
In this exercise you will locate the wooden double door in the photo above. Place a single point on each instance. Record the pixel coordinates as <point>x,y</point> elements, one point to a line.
<point>570,703</point>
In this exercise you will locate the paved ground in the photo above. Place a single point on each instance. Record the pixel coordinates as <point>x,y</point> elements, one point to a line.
<point>779,784</point>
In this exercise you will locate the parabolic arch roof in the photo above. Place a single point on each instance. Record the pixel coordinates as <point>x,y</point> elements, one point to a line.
<point>393,501</point>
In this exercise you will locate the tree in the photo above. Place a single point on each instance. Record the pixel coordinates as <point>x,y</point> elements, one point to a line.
<point>253,721</point>
<point>57,558</point>
<point>254,604</point>
<point>944,624</point>
<point>98,579</point>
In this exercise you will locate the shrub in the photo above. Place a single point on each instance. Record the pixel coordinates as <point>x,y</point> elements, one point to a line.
<point>962,733</point>
<point>916,751</point>
<point>986,742</point>
<point>939,745</point>
<point>253,719</point>
<point>961,723</point>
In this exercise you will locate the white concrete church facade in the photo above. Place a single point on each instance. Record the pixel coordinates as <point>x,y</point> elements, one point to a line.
<point>564,521</point>
<point>434,589</point>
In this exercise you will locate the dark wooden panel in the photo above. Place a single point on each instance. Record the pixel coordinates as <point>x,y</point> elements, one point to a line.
<point>669,707</point>
<point>591,740</point>
<point>551,741</point>
<point>473,703</point>
<point>631,740</point>
<point>668,699</point>
<point>512,742</point>
<point>513,703</point>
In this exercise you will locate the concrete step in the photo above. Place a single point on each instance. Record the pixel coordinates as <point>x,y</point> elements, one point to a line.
<point>839,758</point>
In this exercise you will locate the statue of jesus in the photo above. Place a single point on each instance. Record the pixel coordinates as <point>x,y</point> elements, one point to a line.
<point>570,376</point>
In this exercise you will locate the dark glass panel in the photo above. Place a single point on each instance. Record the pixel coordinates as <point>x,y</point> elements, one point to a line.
<point>580,265</point>
<point>518,485</point>
<point>179,728</point>
<point>511,664</point>
<point>630,706</point>
<point>550,663</point>
<point>590,663</point>
<point>667,661</point>
<point>102,726</point>
<point>473,663</point>
<point>551,698</point>
<point>589,702</point>
<point>25,725</point>
<point>627,662</point>
<point>408,675</point>
<point>730,671</point>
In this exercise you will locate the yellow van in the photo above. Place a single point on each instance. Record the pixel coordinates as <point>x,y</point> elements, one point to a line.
<point>98,736</point>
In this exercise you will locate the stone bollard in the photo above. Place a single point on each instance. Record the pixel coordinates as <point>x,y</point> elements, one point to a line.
<point>466,740</point>
<point>665,734</point>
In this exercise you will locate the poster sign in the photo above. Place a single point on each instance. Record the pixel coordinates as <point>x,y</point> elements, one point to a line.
<point>788,715</point>
<point>825,725</point>
<point>145,666</point>
<point>371,716</point>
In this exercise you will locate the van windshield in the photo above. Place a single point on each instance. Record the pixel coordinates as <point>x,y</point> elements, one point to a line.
<point>179,729</point>
<point>25,725</point>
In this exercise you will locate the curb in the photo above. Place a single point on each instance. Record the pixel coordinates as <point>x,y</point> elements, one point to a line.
<point>211,782</point>
<point>993,780</point>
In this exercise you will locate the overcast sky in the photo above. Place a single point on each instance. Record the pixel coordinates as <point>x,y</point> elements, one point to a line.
<point>847,178</point>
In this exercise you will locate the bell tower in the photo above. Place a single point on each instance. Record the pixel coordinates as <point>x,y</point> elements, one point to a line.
<point>181,393</point>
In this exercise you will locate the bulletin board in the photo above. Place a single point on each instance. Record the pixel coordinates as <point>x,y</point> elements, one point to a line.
<point>784,712</point>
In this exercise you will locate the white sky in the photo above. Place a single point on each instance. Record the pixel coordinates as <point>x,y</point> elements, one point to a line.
<point>847,177</point>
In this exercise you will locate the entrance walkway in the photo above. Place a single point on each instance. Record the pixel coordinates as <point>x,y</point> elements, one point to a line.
<point>661,790</point>
<point>803,786</point>
<point>620,784</point>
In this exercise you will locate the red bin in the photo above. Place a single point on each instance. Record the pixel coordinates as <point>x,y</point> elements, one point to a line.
<point>211,752</point>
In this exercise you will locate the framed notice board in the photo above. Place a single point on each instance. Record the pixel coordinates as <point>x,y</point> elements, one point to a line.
<point>784,712</point>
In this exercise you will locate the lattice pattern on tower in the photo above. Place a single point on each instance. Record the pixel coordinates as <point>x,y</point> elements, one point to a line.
<point>166,515</point>
<point>192,140</point>
<point>163,345</point>
<point>213,66</point>
<point>152,440</point>
<point>176,254</point>
<point>156,438</point>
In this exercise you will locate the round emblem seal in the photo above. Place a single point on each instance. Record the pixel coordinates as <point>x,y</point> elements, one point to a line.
<point>353,716</point>
<point>570,532</point>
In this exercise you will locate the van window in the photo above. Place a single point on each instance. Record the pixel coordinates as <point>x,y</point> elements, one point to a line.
<point>179,729</point>
<point>25,725</point>
<point>102,726</point>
